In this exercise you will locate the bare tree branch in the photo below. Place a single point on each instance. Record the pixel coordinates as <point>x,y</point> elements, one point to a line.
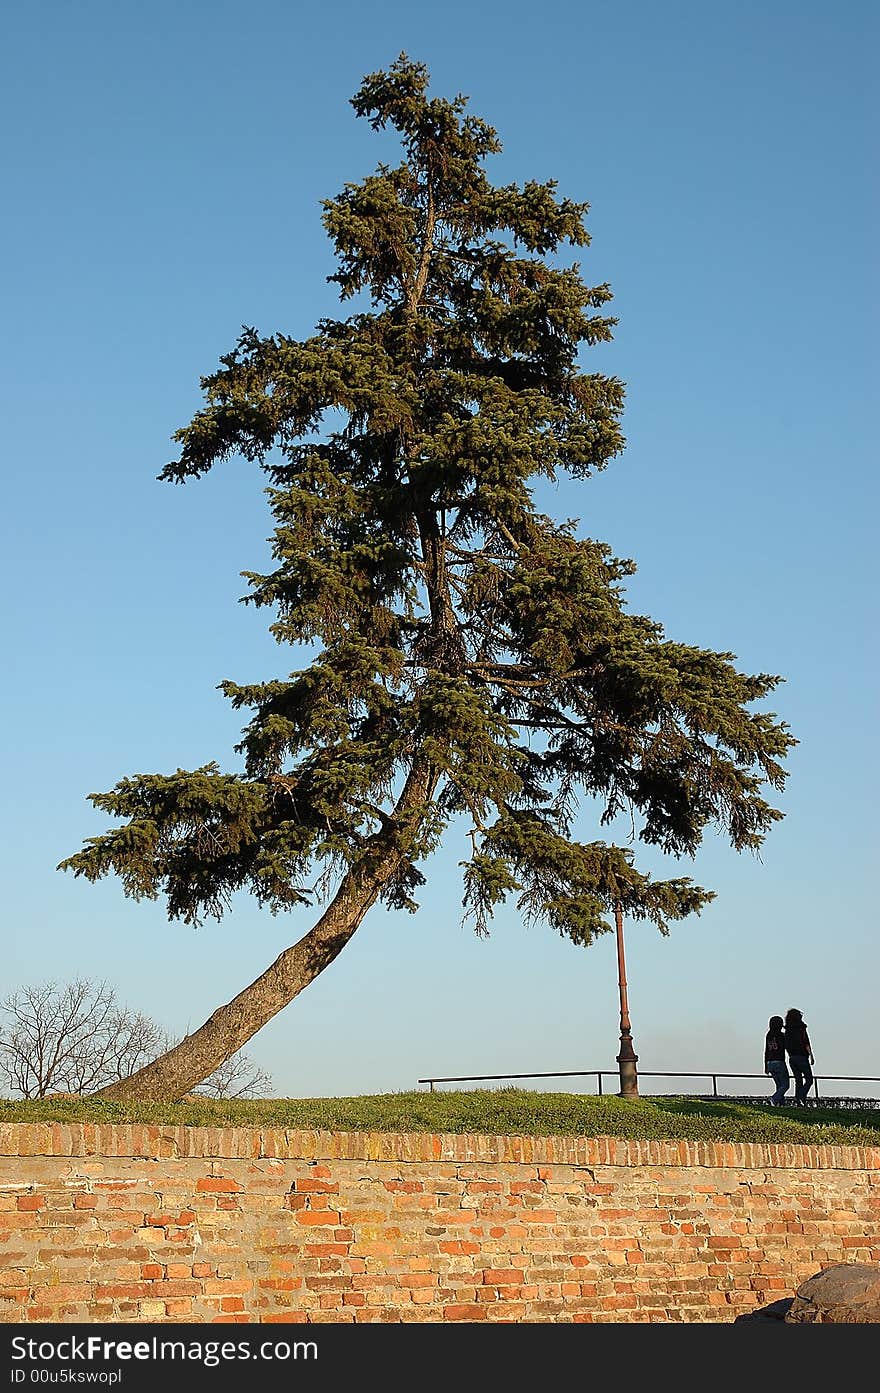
<point>77,1038</point>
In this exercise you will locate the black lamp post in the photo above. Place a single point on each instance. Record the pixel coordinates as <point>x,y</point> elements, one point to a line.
<point>627,1059</point>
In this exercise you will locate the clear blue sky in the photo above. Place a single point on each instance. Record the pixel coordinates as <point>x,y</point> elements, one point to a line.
<point>163,167</point>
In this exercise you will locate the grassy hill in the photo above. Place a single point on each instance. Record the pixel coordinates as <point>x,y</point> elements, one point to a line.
<point>497,1112</point>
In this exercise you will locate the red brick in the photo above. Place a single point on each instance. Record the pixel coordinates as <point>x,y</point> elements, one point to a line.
<point>502,1276</point>
<point>181,1306</point>
<point>424,1296</point>
<point>62,1292</point>
<point>227,1286</point>
<point>133,1290</point>
<point>464,1312</point>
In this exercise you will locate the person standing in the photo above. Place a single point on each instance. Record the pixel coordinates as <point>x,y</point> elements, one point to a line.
<point>774,1059</point>
<point>800,1054</point>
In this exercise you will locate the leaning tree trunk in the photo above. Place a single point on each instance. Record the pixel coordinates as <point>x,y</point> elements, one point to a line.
<point>231,1026</point>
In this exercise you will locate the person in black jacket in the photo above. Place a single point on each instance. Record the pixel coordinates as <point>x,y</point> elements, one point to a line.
<point>800,1054</point>
<point>774,1059</point>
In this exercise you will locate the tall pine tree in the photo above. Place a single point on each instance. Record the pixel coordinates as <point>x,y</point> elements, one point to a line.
<point>474,658</point>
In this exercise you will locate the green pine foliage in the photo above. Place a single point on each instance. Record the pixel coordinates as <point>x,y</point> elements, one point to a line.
<point>458,631</point>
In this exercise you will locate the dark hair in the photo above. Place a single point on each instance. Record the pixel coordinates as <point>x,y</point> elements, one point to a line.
<point>793,1016</point>
<point>776,1022</point>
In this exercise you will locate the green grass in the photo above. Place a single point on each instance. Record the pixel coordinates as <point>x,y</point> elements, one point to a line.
<point>497,1112</point>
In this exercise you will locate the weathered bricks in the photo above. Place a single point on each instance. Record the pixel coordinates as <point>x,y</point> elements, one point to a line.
<point>231,1225</point>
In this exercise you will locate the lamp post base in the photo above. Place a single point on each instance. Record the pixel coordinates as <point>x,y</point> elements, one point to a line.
<point>629,1074</point>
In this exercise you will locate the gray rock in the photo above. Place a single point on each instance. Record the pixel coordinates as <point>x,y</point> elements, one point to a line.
<point>846,1294</point>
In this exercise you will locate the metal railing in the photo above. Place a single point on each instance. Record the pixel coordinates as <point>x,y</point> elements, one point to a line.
<point>599,1074</point>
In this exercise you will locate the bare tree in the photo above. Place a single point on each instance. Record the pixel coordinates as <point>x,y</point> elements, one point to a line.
<point>77,1037</point>
<point>237,1077</point>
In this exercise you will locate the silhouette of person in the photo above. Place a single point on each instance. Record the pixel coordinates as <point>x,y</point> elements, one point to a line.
<point>800,1054</point>
<point>774,1059</point>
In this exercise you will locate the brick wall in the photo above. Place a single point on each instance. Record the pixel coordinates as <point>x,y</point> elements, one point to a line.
<point>139,1224</point>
